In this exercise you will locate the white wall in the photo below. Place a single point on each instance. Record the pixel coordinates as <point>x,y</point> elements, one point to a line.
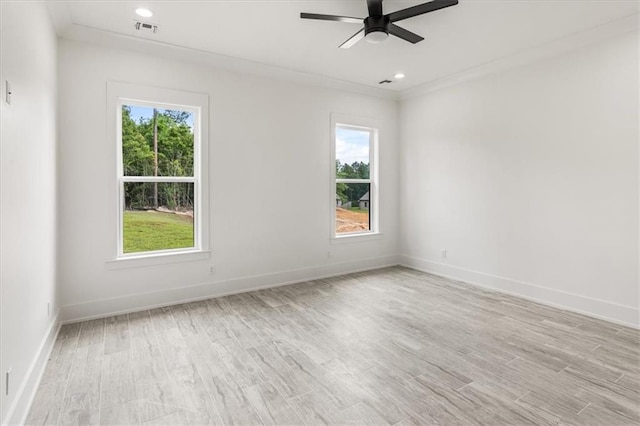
<point>269,183</point>
<point>27,199</point>
<point>529,179</point>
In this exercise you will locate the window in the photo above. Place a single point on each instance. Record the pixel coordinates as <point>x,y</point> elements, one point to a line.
<point>355,179</point>
<point>160,171</point>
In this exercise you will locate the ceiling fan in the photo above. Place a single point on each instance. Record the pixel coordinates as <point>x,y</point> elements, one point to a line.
<point>377,26</point>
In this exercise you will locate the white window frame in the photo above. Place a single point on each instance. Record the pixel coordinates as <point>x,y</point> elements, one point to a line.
<point>367,124</point>
<point>120,94</point>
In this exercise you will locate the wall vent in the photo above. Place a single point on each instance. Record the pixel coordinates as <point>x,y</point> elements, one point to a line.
<point>147,28</point>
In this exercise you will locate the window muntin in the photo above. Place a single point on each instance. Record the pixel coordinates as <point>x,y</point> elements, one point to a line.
<point>355,186</point>
<point>159,178</point>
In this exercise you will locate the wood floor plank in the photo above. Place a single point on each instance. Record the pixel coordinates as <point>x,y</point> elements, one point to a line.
<point>359,414</point>
<point>91,333</point>
<point>146,358</point>
<point>186,319</point>
<point>156,399</point>
<point>117,334</point>
<point>163,319</point>
<point>314,407</point>
<point>192,397</point>
<point>81,404</point>
<point>392,346</point>
<point>630,381</point>
<point>118,380</point>
<point>59,363</point>
<point>594,415</point>
<point>69,331</point>
<point>289,381</point>
<point>271,406</point>
<point>47,404</point>
<point>239,362</point>
<point>174,349</point>
<point>126,413</point>
<point>231,401</point>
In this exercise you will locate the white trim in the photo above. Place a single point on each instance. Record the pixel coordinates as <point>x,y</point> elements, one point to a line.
<point>371,126</point>
<point>68,30</point>
<point>19,409</point>
<point>173,94</point>
<point>178,53</point>
<point>159,179</point>
<point>595,308</point>
<point>356,237</point>
<point>558,46</point>
<point>341,180</point>
<point>142,301</point>
<point>609,311</point>
<point>140,260</point>
<point>119,94</point>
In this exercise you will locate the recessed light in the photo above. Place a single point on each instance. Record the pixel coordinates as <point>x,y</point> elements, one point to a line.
<point>399,76</point>
<point>145,13</point>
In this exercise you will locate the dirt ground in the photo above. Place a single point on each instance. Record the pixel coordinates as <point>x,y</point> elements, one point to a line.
<point>349,221</point>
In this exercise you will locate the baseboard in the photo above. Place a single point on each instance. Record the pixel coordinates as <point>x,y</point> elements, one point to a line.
<point>137,302</point>
<point>601,309</point>
<point>17,413</point>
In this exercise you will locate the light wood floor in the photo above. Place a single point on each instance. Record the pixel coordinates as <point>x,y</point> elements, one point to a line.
<point>392,346</point>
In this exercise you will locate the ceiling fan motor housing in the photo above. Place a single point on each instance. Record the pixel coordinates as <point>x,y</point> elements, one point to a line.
<point>378,26</point>
<point>374,24</point>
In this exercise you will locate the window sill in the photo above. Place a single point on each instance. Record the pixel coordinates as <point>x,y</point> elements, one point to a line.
<point>356,238</point>
<point>144,260</point>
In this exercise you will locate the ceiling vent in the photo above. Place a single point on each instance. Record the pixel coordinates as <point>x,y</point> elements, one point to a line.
<point>147,28</point>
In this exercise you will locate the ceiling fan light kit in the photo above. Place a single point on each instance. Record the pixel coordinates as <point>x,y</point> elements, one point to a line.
<point>378,26</point>
<point>376,29</point>
<point>376,37</point>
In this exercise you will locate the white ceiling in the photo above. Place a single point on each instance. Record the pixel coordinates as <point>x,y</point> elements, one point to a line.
<point>459,38</point>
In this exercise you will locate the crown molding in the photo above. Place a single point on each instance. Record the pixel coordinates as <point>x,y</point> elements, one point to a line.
<point>60,16</point>
<point>68,30</point>
<point>213,60</point>
<point>556,47</point>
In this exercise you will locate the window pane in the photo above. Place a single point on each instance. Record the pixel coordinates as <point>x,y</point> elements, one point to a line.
<point>150,134</point>
<point>150,225</point>
<point>352,207</point>
<point>352,153</point>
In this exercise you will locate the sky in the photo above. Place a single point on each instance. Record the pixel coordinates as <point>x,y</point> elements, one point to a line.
<point>138,112</point>
<point>352,145</point>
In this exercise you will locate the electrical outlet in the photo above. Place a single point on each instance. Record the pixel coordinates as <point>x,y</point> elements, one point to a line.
<point>48,308</point>
<point>212,270</point>
<point>444,254</point>
<point>328,255</point>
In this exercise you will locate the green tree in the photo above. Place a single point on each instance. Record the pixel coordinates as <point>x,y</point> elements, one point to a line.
<point>175,156</point>
<point>352,191</point>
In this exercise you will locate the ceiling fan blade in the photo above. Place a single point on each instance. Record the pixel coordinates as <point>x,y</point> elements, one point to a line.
<point>375,7</point>
<point>404,34</point>
<point>353,39</point>
<point>420,9</point>
<point>347,19</point>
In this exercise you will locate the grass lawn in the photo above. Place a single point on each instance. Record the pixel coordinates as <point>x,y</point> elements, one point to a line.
<point>149,231</point>
<point>358,209</point>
